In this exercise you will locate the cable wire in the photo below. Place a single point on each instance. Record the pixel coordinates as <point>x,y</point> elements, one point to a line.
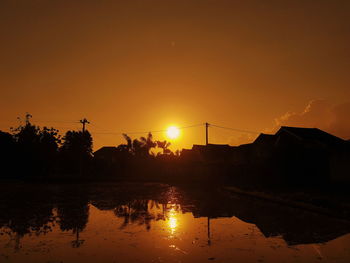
<point>56,121</point>
<point>145,132</point>
<point>233,129</point>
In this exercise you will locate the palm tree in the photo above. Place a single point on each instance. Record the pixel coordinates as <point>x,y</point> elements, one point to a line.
<point>139,147</point>
<point>164,145</point>
<point>128,141</point>
<point>147,143</point>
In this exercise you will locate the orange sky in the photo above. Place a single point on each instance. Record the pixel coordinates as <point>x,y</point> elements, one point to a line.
<point>142,65</point>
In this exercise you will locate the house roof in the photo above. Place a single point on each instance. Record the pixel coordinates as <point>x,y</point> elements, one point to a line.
<point>312,134</point>
<point>211,147</point>
<point>106,150</point>
<point>265,138</point>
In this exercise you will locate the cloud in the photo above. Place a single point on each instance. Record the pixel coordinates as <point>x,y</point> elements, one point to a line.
<point>320,114</point>
<point>316,114</point>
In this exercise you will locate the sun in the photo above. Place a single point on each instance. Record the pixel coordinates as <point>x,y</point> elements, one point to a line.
<point>173,132</point>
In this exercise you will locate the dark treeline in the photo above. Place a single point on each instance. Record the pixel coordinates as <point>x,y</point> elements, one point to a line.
<point>138,159</point>
<point>291,158</point>
<point>31,152</point>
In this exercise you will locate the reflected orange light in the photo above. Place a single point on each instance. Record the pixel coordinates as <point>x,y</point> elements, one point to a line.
<point>173,221</point>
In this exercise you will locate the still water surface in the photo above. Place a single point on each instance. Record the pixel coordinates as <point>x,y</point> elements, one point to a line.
<point>160,223</point>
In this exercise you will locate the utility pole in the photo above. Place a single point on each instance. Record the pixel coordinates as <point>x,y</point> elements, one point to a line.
<point>206,133</point>
<point>84,122</point>
<point>81,162</point>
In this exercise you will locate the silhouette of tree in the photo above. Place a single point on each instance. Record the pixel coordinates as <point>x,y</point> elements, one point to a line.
<point>6,140</point>
<point>128,146</point>
<point>138,147</point>
<point>77,143</point>
<point>147,143</point>
<point>7,153</point>
<point>49,143</point>
<point>76,149</point>
<point>164,145</point>
<point>36,148</point>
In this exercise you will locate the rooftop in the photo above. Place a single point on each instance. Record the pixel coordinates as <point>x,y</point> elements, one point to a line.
<point>312,134</point>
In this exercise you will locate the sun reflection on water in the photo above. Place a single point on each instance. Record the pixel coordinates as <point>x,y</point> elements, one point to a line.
<point>172,220</point>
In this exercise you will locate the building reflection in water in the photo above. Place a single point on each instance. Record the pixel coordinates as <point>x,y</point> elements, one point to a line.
<point>33,214</point>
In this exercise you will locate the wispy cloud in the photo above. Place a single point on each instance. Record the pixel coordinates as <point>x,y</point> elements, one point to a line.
<point>320,114</point>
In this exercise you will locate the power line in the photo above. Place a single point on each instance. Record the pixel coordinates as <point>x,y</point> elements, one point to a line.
<point>156,131</point>
<point>56,121</point>
<point>145,132</point>
<point>234,129</point>
<point>191,126</point>
<point>84,121</point>
<point>120,133</point>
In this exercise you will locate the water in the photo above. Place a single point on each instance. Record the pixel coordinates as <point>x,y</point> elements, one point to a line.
<point>160,223</point>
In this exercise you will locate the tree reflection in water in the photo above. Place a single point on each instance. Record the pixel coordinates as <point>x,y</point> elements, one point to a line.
<point>143,212</point>
<point>135,212</point>
<point>73,216</point>
<point>35,211</point>
<point>20,217</point>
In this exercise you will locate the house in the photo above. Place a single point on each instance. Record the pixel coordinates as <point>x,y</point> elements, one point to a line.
<point>264,147</point>
<point>309,154</point>
<point>109,154</point>
<point>307,138</point>
<point>188,155</point>
<point>211,153</point>
<point>295,137</point>
<point>242,154</point>
<point>265,139</point>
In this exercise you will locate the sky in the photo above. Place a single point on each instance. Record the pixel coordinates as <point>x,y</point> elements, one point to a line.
<point>130,66</point>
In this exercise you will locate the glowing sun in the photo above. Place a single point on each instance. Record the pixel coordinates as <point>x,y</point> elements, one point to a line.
<point>173,132</point>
